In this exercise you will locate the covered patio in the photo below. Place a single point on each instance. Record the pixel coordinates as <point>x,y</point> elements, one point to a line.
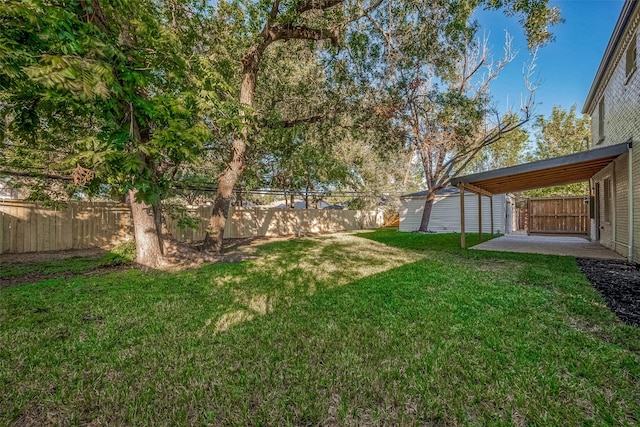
<point>578,247</point>
<point>568,169</point>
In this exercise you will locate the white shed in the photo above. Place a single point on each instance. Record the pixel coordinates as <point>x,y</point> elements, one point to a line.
<point>445,214</point>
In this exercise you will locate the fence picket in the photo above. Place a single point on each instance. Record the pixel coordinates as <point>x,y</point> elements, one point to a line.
<point>28,227</point>
<point>564,215</point>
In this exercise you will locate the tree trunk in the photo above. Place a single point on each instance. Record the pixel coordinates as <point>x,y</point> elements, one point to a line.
<point>215,231</point>
<point>236,166</point>
<point>407,174</point>
<point>157,219</point>
<point>426,212</point>
<point>147,219</point>
<point>149,252</point>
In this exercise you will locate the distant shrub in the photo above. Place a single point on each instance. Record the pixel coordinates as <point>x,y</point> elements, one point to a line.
<point>122,253</point>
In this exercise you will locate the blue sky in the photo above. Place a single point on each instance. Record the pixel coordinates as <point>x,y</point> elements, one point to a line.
<point>565,67</point>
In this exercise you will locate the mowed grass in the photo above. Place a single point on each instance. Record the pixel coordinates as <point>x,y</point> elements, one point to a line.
<point>381,328</point>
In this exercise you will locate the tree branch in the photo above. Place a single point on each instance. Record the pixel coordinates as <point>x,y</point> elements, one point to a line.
<point>302,32</point>
<point>363,13</point>
<point>317,5</point>
<point>275,9</point>
<point>94,14</point>
<point>25,174</point>
<point>281,124</point>
<point>303,121</point>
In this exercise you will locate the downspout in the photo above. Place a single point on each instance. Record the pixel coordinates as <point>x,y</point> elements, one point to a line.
<point>630,168</point>
<point>614,207</point>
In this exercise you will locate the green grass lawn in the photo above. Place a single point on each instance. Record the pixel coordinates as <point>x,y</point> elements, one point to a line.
<point>377,328</point>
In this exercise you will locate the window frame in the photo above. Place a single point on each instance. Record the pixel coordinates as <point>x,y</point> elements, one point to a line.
<point>631,57</point>
<point>601,113</point>
<point>607,195</point>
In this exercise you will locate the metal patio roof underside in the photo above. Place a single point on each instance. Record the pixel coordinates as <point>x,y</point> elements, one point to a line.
<point>544,173</point>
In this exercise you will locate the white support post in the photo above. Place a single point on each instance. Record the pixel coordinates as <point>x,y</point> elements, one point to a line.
<point>491,211</point>
<point>463,240</point>
<point>479,217</point>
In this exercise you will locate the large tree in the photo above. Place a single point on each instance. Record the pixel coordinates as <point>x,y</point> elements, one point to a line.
<point>122,88</point>
<point>271,23</point>
<point>131,90</point>
<point>374,42</point>
<point>451,120</point>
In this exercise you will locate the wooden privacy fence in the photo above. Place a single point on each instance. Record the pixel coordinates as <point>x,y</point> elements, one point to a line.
<point>30,227</point>
<point>563,215</point>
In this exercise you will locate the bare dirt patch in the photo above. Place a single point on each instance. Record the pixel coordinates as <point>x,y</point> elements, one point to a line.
<point>38,257</point>
<point>619,284</point>
<point>35,277</point>
<point>189,256</point>
<point>230,251</point>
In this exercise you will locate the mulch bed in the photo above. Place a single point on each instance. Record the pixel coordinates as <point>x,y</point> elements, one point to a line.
<point>619,283</point>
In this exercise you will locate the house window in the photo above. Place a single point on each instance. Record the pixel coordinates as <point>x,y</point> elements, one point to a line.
<point>631,58</point>
<point>601,120</point>
<point>607,200</point>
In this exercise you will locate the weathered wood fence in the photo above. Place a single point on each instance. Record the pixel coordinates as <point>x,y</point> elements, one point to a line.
<point>562,215</point>
<point>30,227</point>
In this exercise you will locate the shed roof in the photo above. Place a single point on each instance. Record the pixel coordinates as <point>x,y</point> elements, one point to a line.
<point>568,169</point>
<point>447,191</point>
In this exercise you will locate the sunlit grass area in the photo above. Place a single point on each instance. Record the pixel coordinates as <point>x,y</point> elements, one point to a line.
<point>377,328</point>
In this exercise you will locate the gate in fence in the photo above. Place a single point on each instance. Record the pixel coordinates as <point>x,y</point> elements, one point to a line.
<point>561,215</point>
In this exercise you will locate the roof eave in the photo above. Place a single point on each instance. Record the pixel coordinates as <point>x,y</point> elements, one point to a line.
<point>545,164</point>
<point>624,18</point>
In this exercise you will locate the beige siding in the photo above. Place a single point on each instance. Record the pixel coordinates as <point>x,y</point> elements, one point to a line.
<point>606,228</point>
<point>621,124</point>
<point>622,115</point>
<point>445,214</point>
<point>618,172</point>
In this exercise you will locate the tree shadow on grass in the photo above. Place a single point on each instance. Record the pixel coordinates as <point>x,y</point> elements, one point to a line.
<point>287,271</point>
<point>421,340</point>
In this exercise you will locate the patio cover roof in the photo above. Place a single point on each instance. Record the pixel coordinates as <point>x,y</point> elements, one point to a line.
<point>569,169</point>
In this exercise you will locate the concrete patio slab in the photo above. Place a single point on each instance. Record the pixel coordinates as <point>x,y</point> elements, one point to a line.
<point>551,245</point>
